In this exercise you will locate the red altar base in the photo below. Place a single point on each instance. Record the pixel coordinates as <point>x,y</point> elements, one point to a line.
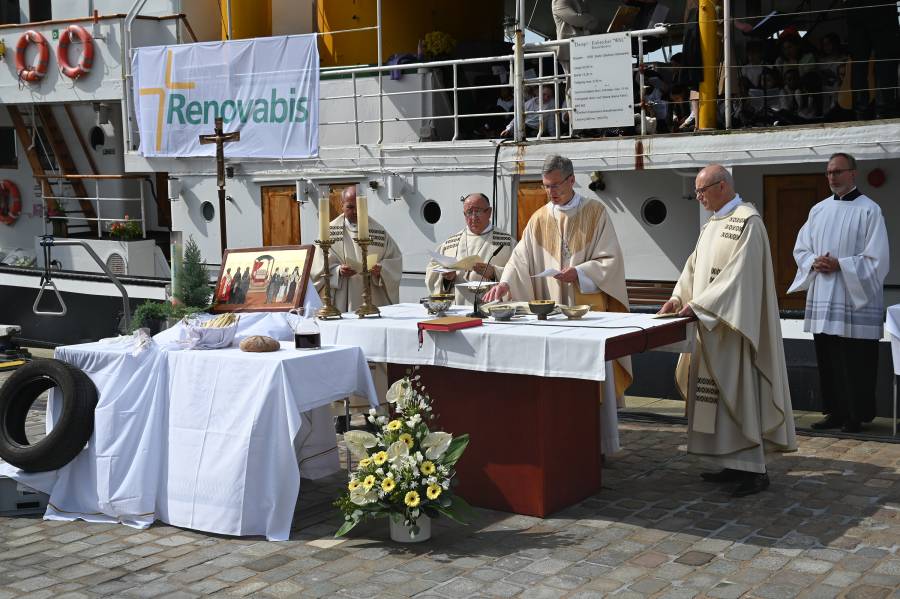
<point>534,443</point>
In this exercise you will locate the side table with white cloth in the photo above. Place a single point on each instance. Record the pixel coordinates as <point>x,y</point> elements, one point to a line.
<point>892,328</point>
<point>208,440</point>
<point>526,391</point>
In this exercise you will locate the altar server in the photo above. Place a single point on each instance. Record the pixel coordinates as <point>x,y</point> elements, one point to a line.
<point>345,260</point>
<point>842,260</point>
<point>735,381</point>
<point>575,236</point>
<point>479,238</point>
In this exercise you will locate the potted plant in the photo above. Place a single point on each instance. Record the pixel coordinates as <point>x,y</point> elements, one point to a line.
<point>192,286</point>
<point>150,315</point>
<point>125,230</point>
<point>404,469</point>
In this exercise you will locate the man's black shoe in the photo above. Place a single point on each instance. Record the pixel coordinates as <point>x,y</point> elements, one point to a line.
<point>851,427</point>
<point>826,423</point>
<point>727,475</point>
<point>753,483</point>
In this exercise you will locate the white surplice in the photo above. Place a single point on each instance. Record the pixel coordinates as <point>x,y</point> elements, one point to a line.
<point>849,302</point>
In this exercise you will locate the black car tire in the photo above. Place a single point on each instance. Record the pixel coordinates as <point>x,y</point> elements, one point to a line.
<point>71,431</point>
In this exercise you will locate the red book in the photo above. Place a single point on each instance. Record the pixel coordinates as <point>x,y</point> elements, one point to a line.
<point>447,323</point>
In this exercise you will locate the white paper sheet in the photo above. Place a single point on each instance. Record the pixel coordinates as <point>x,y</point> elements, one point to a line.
<point>550,272</point>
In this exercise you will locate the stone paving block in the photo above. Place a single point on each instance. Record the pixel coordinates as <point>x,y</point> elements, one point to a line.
<point>267,563</point>
<point>728,590</point>
<point>208,586</point>
<point>822,591</point>
<point>284,588</point>
<point>542,592</point>
<point>679,594</point>
<point>694,558</point>
<point>546,567</point>
<point>235,574</point>
<point>865,591</point>
<point>777,591</point>
<point>152,589</point>
<point>34,583</point>
<point>648,586</point>
<point>195,573</point>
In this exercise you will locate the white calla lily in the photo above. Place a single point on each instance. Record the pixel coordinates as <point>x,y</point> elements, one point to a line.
<point>435,444</point>
<point>359,496</point>
<point>399,392</point>
<point>358,442</point>
<point>397,449</point>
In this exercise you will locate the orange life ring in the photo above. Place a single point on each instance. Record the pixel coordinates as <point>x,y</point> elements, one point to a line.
<point>87,56</point>
<point>32,72</point>
<point>9,212</point>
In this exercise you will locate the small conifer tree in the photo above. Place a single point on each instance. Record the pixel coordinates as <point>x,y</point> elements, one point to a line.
<point>192,283</point>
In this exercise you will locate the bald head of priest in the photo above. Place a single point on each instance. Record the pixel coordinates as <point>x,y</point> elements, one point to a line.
<point>348,203</point>
<point>477,212</point>
<point>714,187</point>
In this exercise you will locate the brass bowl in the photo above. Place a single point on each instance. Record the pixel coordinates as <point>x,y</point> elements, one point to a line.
<point>438,304</point>
<point>575,312</point>
<point>502,311</point>
<point>542,308</point>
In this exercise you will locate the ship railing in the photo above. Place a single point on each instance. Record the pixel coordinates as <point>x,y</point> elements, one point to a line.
<point>97,200</point>
<point>454,90</point>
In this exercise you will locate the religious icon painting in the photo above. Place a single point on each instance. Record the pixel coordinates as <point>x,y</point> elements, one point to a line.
<point>266,279</point>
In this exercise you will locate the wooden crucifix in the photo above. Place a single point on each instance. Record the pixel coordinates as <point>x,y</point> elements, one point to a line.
<point>220,138</point>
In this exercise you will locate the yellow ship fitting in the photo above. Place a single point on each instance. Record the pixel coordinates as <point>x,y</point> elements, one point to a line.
<point>709,48</point>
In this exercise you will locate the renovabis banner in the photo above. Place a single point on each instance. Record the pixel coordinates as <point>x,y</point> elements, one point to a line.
<point>266,88</point>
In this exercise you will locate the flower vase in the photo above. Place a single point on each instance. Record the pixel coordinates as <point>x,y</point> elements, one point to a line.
<point>400,532</point>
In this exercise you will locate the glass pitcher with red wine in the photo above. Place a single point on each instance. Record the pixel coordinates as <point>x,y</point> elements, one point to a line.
<point>306,330</point>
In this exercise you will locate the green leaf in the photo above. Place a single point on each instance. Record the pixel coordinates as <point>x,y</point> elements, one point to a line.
<point>455,450</point>
<point>462,507</point>
<point>347,527</point>
<point>449,513</point>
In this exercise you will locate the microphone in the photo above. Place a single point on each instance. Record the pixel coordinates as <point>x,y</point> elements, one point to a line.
<point>475,312</point>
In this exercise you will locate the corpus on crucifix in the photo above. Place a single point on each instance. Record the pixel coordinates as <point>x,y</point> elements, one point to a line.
<point>220,138</point>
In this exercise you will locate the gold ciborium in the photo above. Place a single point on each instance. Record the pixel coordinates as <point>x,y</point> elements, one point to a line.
<point>327,310</point>
<point>367,308</point>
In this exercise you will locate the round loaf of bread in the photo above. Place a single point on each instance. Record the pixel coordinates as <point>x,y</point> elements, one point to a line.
<point>259,343</point>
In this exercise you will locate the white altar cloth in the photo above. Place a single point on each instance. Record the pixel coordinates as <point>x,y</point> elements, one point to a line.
<point>202,439</point>
<point>556,347</point>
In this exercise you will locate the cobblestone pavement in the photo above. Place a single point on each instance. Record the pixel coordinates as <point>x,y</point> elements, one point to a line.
<point>829,526</point>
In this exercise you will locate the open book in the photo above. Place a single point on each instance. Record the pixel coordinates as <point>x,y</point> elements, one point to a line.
<point>449,263</point>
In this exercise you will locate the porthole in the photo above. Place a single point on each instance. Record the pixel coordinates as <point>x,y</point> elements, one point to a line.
<point>654,211</point>
<point>208,211</point>
<point>431,212</point>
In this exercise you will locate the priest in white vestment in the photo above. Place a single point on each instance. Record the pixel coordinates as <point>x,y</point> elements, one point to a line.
<point>479,238</point>
<point>842,260</point>
<point>345,278</point>
<point>575,236</point>
<point>735,381</point>
<point>345,261</point>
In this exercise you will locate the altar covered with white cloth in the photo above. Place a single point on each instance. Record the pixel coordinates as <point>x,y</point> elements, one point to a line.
<point>525,390</point>
<point>208,440</point>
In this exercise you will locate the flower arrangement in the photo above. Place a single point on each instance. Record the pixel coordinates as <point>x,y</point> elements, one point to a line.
<point>438,43</point>
<point>405,469</point>
<point>125,230</point>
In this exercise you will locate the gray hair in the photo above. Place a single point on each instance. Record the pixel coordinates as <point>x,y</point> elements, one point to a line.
<point>555,162</point>
<point>850,159</point>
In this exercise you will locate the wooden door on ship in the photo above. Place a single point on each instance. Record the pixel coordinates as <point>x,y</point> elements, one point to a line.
<point>530,199</point>
<point>280,215</point>
<point>787,201</point>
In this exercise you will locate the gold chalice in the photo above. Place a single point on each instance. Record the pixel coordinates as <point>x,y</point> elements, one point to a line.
<point>542,308</point>
<point>575,312</point>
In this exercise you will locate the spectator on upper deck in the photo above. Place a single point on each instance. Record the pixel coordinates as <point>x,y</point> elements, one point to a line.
<point>545,101</point>
<point>873,31</point>
<point>796,54</point>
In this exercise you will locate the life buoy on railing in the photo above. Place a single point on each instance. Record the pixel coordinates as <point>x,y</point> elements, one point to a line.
<point>87,56</point>
<point>10,202</point>
<point>35,72</point>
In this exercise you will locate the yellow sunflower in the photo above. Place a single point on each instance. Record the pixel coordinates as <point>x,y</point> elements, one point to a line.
<point>394,425</point>
<point>427,467</point>
<point>407,438</point>
<point>412,499</point>
<point>353,485</point>
<point>433,491</point>
<point>368,482</point>
<point>380,458</point>
<point>388,484</point>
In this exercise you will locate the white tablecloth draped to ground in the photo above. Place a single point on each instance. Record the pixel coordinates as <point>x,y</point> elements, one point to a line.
<point>892,327</point>
<point>208,440</point>
<point>556,347</point>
